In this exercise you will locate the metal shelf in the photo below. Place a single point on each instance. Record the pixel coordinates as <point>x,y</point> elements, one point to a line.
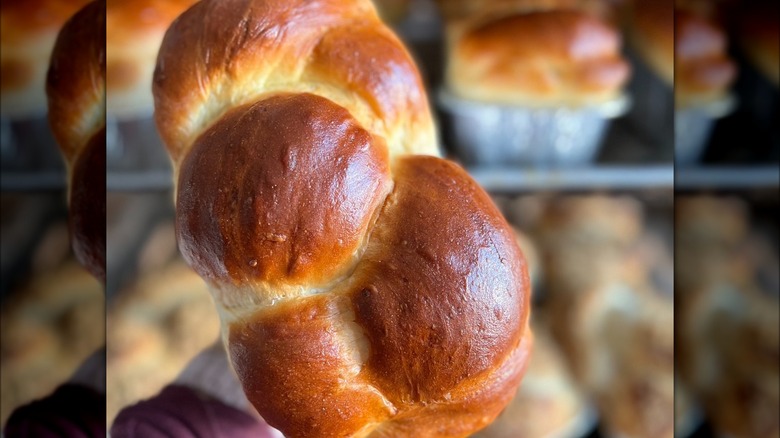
<point>727,177</point>
<point>591,178</point>
<point>27,181</point>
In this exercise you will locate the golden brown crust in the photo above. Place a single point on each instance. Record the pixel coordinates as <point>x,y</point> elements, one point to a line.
<point>28,30</point>
<point>538,58</point>
<point>653,35</point>
<point>296,351</point>
<point>358,358</point>
<point>411,291</point>
<point>134,32</point>
<point>702,69</point>
<point>307,196</point>
<point>76,80</point>
<point>364,289</point>
<point>222,54</point>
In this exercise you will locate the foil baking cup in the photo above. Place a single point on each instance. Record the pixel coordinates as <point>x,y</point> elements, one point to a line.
<point>486,133</point>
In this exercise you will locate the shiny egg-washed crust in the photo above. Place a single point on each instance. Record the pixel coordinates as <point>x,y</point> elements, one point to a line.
<point>219,55</point>
<point>652,34</point>
<point>76,91</point>
<point>28,30</point>
<point>76,81</point>
<point>703,70</point>
<point>134,32</point>
<point>365,288</point>
<point>561,57</point>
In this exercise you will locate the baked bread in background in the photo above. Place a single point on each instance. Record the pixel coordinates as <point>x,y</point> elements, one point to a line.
<point>75,86</point>
<point>708,233</point>
<point>609,296</point>
<point>49,327</point>
<point>348,264</point>
<point>703,70</point>
<point>651,32</point>
<point>728,315</point>
<point>585,240</point>
<point>731,335</point>
<point>560,57</point>
<point>639,400</point>
<point>28,30</point>
<point>135,29</point>
<point>548,403</point>
<point>154,329</point>
<point>157,324</point>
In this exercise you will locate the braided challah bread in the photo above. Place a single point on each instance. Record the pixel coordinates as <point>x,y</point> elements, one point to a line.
<point>76,85</point>
<point>365,288</point>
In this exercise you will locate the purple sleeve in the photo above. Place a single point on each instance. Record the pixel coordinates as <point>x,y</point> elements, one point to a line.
<point>179,411</point>
<point>72,411</point>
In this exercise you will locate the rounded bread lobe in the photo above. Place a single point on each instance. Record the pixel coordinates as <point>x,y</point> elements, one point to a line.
<point>366,356</point>
<point>280,192</point>
<point>76,81</point>
<point>299,363</point>
<point>563,57</point>
<point>364,288</point>
<point>442,271</point>
<point>87,217</point>
<point>218,55</point>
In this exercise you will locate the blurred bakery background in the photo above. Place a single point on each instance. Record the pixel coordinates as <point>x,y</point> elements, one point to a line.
<point>571,113</point>
<point>727,319</point>
<point>52,310</point>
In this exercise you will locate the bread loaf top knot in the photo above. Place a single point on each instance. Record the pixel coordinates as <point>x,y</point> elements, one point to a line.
<point>218,55</point>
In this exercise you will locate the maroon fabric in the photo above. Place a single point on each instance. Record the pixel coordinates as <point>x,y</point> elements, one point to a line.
<point>72,411</point>
<point>179,412</point>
